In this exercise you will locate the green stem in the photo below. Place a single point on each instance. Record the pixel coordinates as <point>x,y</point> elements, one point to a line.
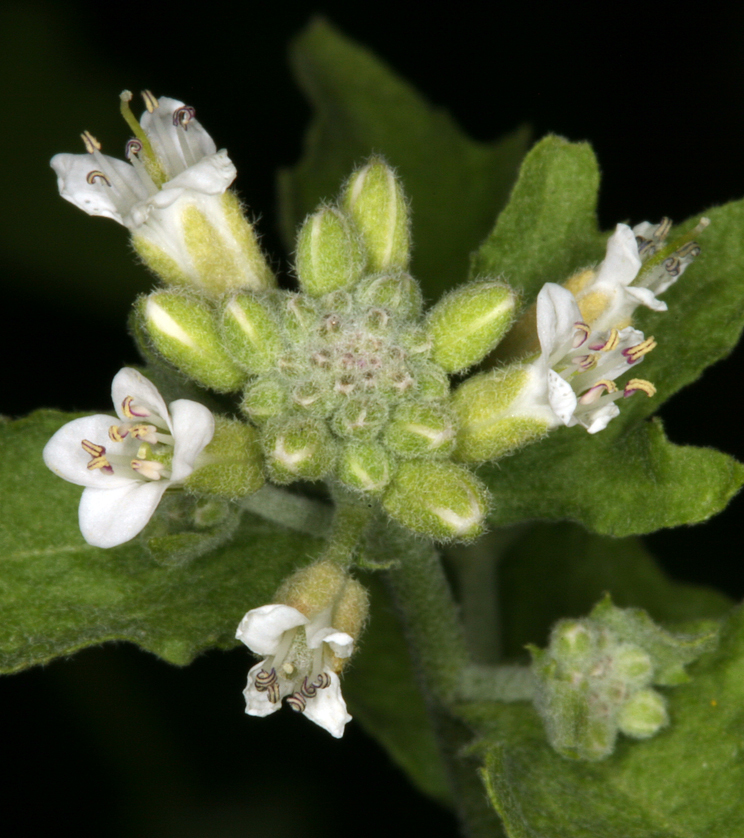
<point>295,512</point>
<point>496,683</point>
<point>350,519</point>
<point>437,645</point>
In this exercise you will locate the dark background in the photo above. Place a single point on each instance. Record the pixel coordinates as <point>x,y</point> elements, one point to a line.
<point>114,741</point>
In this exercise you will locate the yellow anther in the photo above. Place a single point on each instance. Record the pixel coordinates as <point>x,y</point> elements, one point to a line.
<point>635,353</point>
<point>150,101</point>
<point>115,434</point>
<point>662,230</point>
<point>640,384</point>
<point>92,449</point>
<point>126,409</point>
<point>612,341</point>
<point>595,391</point>
<point>99,462</point>
<point>91,143</point>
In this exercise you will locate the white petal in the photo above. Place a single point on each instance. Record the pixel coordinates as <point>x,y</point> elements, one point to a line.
<point>599,419</point>
<point>645,229</point>
<point>556,314</point>
<point>193,429</point>
<point>646,297</point>
<point>130,382</point>
<point>262,628</point>
<point>257,703</point>
<point>621,262</point>
<point>328,708</point>
<point>561,396</point>
<point>164,114</point>
<point>109,517</point>
<point>96,198</point>
<point>64,454</point>
<point>341,642</point>
<point>210,176</point>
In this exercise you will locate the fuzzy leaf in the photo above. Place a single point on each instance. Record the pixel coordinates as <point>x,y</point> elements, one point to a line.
<point>684,783</point>
<point>456,185</point>
<point>59,594</point>
<point>575,568</point>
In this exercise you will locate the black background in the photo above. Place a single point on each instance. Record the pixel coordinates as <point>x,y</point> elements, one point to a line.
<point>116,743</point>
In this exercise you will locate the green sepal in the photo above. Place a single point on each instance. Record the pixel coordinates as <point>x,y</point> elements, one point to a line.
<point>421,430</point>
<point>398,293</point>
<point>251,333</point>
<point>298,448</point>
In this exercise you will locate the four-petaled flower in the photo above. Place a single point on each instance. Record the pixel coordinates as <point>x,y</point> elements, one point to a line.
<point>147,449</point>
<point>301,661</point>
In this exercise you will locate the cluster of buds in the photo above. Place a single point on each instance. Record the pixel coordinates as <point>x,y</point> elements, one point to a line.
<point>597,678</point>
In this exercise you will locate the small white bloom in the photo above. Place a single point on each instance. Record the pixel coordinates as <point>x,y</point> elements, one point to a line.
<point>301,661</point>
<point>170,195</point>
<point>147,449</point>
<point>578,364</point>
<point>621,282</point>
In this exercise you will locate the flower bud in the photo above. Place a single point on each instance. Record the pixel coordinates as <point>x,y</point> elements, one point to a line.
<point>432,383</point>
<point>365,467</point>
<point>183,331</point>
<point>298,449</point>
<point>299,315</point>
<point>250,333</point>
<point>233,462</point>
<point>329,253</point>
<point>468,323</point>
<point>496,414</point>
<point>643,715</point>
<point>420,430</point>
<point>398,293</point>
<point>375,200</point>
<point>437,499</point>
<point>264,399</point>
<point>359,418</point>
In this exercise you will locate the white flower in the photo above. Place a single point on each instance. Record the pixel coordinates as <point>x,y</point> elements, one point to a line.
<point>608,296</point>
<point>578,365</point>
<point>171,197</point>
<point>301,660</point>
<point>147,449</point>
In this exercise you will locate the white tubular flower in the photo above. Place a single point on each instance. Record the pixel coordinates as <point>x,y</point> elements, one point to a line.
<point>579,364</point>
<point>147,449</point>
<point>171,195</point>
<point>301,661</point>
<point>629,276</point>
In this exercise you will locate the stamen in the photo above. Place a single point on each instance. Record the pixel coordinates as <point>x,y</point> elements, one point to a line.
<point>297,702</point>
<point>183,115</point>
<point>118,432</point>
<point>582,333</point>
<point>612,341</point>
<point>274,694</point>
<point>133,147</point>
<point>308,690</point>
<point>97,176</point>
<point>134,411</point>
<point>91,143</point>
<point>264,680</point>
<point>151,102</point>
<point>593,393</point>
<point>92,449</point>
<point>146,432</point>
<point>662,230</point>
<point>639,384</point>
<point>323,681</point>
<point>635,353</point>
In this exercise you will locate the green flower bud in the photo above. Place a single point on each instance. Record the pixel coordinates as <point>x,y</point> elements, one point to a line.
<point>329,253</point>
<point>375,200</point>
<point>399,294</point>
<point>437,499</point>
<point>232,464</point>
<point>299,315</point>
<point>251,333</point>
<point>633,666</point>
<point>359,418</point>
<point>573,639</point>
<point>298,449</point>
<point>643,715</point>
<point>183,331</point>
<point>494,416</point>
<point>431,382</point>
<point>313,397</point>
<point>468,323</point>
<point>419,430</point>
<point>365,467</point>
<point>264,399</point>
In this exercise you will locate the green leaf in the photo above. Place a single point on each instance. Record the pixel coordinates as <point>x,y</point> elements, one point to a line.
<point>684,783</point>
<point>381,690</point>
<point>629,483</point>
<point>575,569</point>
<point>456,185</point>
<point>549,227</point>
<point>59,594</point>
